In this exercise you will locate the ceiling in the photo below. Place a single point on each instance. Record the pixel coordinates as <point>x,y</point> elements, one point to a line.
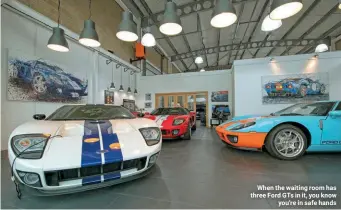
<point>318,19</point>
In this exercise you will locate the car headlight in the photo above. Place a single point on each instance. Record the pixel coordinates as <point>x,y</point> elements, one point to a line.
<point>29,178</point>
<point>152,136</point>
<point>178,121</point>
<point>29,146</point>
<point>241,126</point>
<point>56,80</point>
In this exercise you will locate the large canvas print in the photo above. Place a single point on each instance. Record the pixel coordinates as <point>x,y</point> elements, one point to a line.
<point>35,79</point>
<point>220,96</point>
<point>295,88</point>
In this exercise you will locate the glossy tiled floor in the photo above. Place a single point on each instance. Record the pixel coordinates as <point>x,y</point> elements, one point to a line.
<point>200,173</point>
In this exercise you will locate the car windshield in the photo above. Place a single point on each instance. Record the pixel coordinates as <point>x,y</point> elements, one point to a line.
<point>307,109</point>
<point>170,111</point>
<point>90,112</point>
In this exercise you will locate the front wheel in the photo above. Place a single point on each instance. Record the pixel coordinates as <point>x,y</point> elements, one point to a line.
<point>39,85</point>
<point>286,142</point>
<point>303,91</point>
<point>188,134</point>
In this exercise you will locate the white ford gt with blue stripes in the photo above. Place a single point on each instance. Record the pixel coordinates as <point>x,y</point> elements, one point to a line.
<point>81,147</point>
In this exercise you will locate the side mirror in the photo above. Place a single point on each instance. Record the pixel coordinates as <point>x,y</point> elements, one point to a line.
<point>335,114</point>
<point>39,116</point>
<point>140,115</point>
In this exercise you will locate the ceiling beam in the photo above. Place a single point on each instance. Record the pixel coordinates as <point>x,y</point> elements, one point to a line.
<point>258,20</point>
<point>303,16</point>
<point>146,7</point>
<point>248,45</point>
<point>324,18</point>
<point>214,68</point>
<point>192,7</point>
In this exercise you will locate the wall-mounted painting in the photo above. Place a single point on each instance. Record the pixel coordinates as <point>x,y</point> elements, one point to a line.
<point>220,96</point>
<point>295,88</point>
<point>34,79</point>
<point>109,97</point>
<point>148,105</point>
<point>148,96</point>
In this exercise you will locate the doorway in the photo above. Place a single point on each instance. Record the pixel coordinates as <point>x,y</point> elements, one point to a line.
<point>193,101</point>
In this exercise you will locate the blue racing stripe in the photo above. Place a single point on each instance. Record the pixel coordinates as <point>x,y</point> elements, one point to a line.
<point>90,151</point>
<point>112,176</point>
<point>91,180</point>
<point>114,152</point>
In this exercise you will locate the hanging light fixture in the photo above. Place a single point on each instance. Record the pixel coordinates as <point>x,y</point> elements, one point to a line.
<point>224,14</point>
<point>199,60</point>
<point>270,25</point>
<point>170,24</point>
<point>121,86</point>
<point>148,39</point>
<point>89,36</point>
<point>129,89</point>
<point>135,92</point>
<point>321,48</point>
<point>339,4</point>
<point>127,30</point>
<point>57,41</point>
<point>112,85</point>
<point>202,70</point>
<point>282,9</point>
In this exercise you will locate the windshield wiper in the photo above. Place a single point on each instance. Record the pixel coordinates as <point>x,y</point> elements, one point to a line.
<point>291,114</point>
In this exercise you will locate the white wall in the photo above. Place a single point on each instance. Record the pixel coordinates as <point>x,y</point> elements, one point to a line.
<point>186,82</point>
<point>248,73</point>
<point>20,33</point>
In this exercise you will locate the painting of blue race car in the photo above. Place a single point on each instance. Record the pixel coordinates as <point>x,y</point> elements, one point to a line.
<point>40,80</point>
<point>296,88</point>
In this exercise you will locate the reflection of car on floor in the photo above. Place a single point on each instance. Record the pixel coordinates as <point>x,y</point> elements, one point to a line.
<point>288,133</point>
<point>295,87</point>
<point>175,122</point>
<point>81,147</point>
<point>48,80</point>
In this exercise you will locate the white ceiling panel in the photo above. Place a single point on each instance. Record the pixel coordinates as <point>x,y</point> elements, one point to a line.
<point>189,23</point>
<point>194,41</point>
<point>179,44</point>
<point>211,59</point>
<point>223,58</point>
<point>166,47</point>
<point>329,23</point>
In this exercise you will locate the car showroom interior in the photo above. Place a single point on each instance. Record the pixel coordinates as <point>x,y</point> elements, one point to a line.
<point>170,104</point>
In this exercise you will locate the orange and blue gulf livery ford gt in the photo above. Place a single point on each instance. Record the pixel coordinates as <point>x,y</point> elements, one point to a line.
<point>289,133</point>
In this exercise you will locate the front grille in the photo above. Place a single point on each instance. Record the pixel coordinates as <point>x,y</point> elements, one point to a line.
<point>54,177</point>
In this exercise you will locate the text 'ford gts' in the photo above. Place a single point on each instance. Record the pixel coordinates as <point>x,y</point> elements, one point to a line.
<point>81,147</point>
<point>175,122</point>
<point>289,133</point>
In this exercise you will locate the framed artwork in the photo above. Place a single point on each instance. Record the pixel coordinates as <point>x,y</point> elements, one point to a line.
<point>148,105</point>
<point>148,97</point>
<point>295,88</point>
<point>220,96</point>
<point>129,104</point>
<point>34,79</point>
<point>109,97</point>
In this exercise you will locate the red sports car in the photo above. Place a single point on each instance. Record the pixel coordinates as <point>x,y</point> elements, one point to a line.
<point>175,122</point>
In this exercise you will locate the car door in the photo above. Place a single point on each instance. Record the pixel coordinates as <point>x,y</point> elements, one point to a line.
<point>331,132</point>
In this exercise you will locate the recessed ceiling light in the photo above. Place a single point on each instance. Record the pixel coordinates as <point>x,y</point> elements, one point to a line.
<point>282,9</point>
<point>270,25</point>
<point>224,14</point>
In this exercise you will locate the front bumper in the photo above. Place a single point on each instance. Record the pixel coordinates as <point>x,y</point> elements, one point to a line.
<point>174,132</point>
<point>41,192</point>
<point>241,139</point>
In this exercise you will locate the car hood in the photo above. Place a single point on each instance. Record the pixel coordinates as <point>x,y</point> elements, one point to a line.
<point>165,121</point>
<point>75,144</point>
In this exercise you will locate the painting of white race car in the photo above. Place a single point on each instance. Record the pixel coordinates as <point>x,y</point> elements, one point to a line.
<point>82,147</point>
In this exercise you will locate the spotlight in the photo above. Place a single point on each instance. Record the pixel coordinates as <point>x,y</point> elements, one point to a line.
<point>171,24</point>
<point>282,9</point>
<point>224,14</point>
<point>270,25</point>
<point>127,30</point>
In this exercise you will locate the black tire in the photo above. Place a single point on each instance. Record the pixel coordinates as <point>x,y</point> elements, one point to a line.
<point>194,127</point>
<point>188,134</point>
<point>302,91</point>
<point>270,147</point>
